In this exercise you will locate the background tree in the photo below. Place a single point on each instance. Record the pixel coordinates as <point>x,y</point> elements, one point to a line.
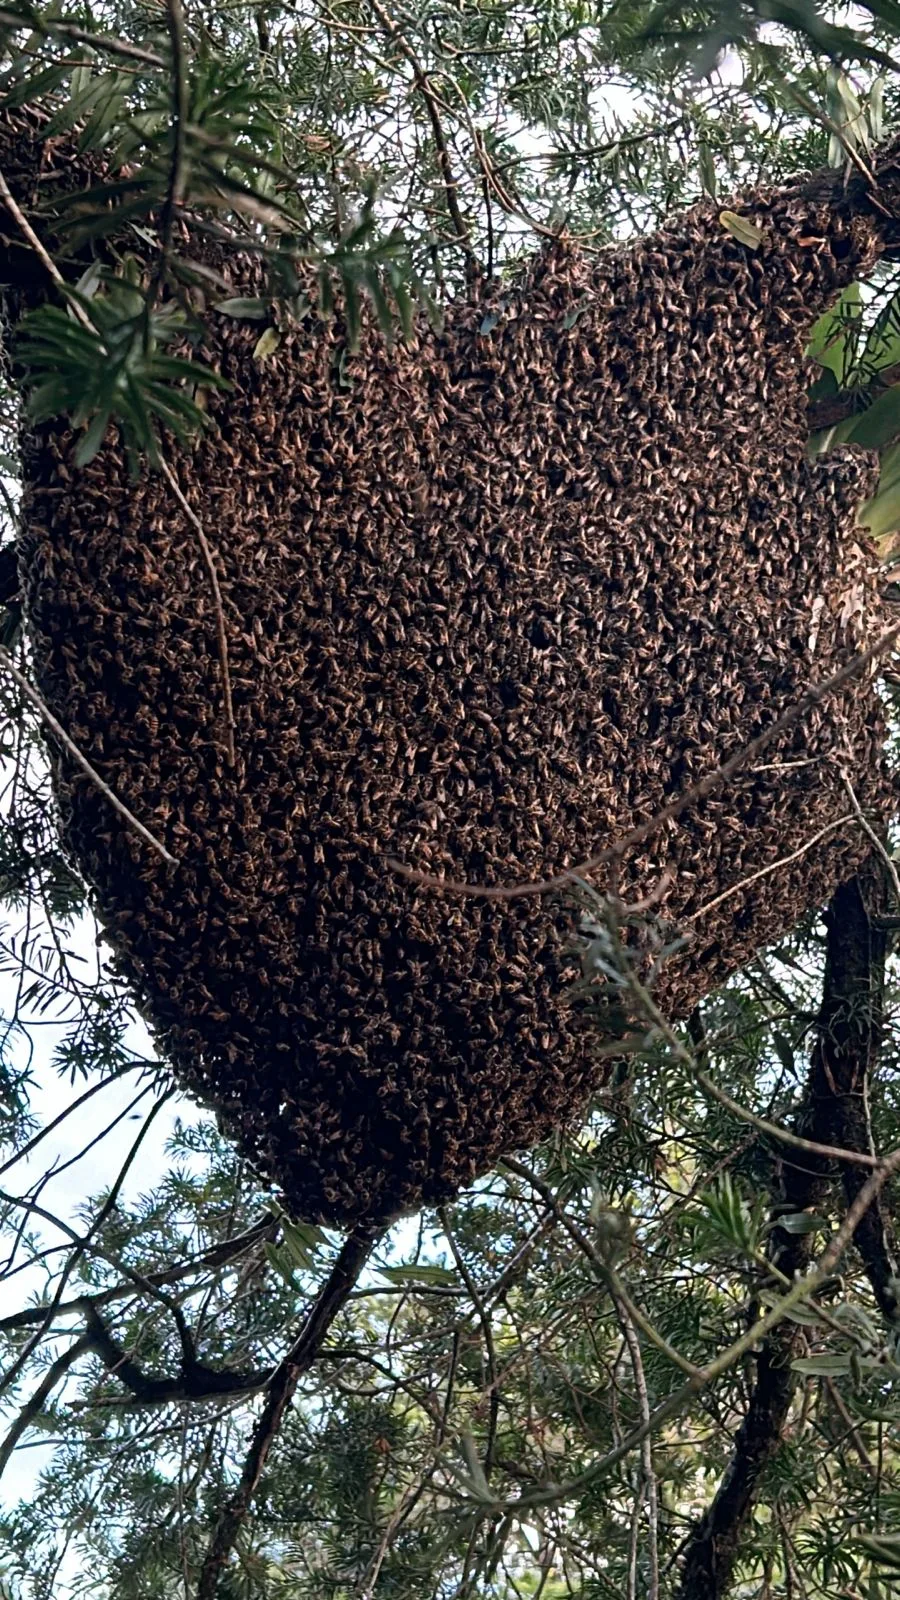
<point>598,1373</point>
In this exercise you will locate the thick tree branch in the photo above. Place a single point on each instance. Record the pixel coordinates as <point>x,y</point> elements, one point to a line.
<point>34,1406</point>
<point>335,1291</point>
<point>193,1382</point>
<point>850,1039</point>
<point>833,1112</point>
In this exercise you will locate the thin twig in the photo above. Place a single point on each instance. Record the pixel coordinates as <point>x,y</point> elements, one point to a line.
<point>43,255</point>
<point>853,1432</point>
<point>18,215</point>
<point>81,1244</point>
<point>424,85</point>
<point>649,1485</point>
<point>484,1318</point>
<point>556,1493</point>
<point>32,1143</point>
<point>68,30</point>
<point>56,728</point>
<point>687,1058</point>
<point>870,831</point>
<point>408,1502</point>
<point>218,1255</point>
<point>203,542</point>
<point>688,797</point>
<point>784,861</point>
<point>604,1268</point>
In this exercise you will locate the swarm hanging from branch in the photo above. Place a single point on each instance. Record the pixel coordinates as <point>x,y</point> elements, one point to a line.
<point>489,599</point>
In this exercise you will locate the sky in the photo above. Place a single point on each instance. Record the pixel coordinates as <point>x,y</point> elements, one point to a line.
<point>89,1174</point>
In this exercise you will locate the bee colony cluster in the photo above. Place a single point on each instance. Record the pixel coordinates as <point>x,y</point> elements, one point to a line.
<point>487,606</point>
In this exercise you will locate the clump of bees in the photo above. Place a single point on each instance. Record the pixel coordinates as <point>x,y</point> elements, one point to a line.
<point>490,601</point>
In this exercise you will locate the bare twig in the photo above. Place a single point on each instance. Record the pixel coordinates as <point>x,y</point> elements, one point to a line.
<point>222,637</point>
<point>407,1503</point>
<point>679,1049</point>
<point>649,1486</point>
<point>484,1319</point>
<point>218,1255</point>
<point>572,1488</point>
<point>432,102</point>
<point>80,1245</point>
<point>774,866</point>
<point>603,1268</point>
<point>40,250</point>
<point>870,832</point>
<point>44,257</point>
<point>56,728</point>
<point>32,1143</point>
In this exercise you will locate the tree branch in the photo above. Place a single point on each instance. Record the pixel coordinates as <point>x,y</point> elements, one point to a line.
<point>193,1382</point>
<point>218,1255</point>
<point>851,1026</point>
<point>833,1112</point>
<point>335,1291</point>
<point>33,1407</point>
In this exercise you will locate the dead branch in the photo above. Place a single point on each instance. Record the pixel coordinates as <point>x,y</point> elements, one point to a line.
<point>56,728</point>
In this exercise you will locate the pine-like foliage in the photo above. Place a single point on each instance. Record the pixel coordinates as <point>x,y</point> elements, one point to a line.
<point>649,1361</point>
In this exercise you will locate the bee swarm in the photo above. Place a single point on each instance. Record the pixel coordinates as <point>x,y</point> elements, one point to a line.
<point>489,605</point>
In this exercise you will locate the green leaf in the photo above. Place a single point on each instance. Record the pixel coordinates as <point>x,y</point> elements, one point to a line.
<point>301,1241</point>
<point>707,165</point>
<point>823,1366</point>
<point>254,310</point>
<point>277,1260</point>
<point>352,312</point>
<point>833,340</point>
<point>572,316</point>
<point>799,1314</point>
<point>784,1051</point>
<point>431,1273</point>
<point>405,306</point>
<point>883,1548</point>
<point>266,344</point>
<point>741,229</point>
<point>91,441</point>
<point>374,286</point>
<point>879,424</point>
<point>875,110</point>
<point>881,513</point>
<point>799,1222</point>
<point>890,468</point>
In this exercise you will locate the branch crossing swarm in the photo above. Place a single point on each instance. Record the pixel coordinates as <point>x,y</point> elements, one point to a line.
<point>488,602</point>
